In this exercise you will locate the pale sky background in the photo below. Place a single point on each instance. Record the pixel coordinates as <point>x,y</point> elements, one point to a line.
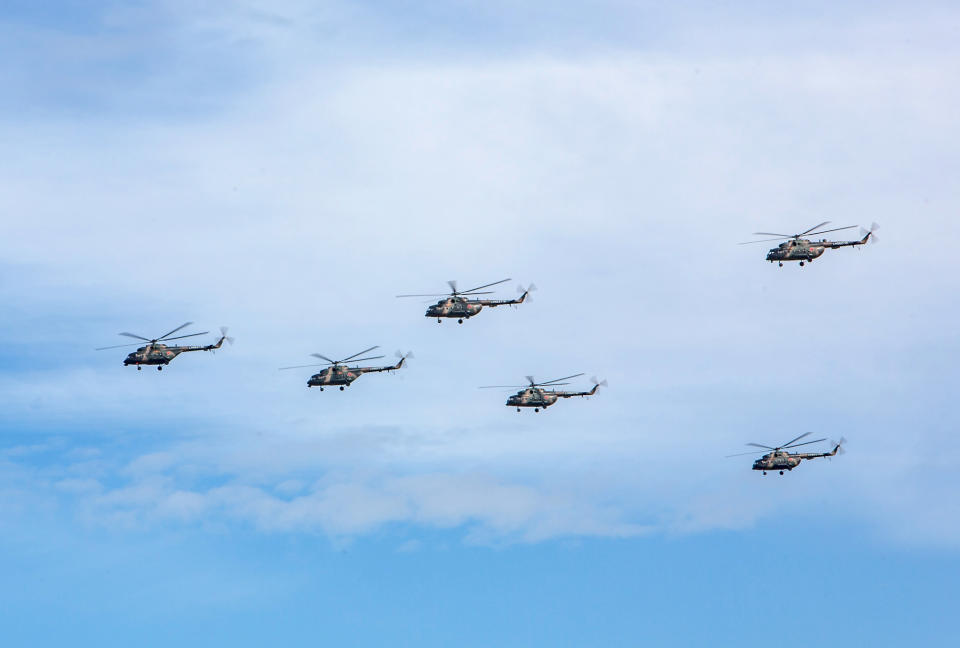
<point>286,168</point>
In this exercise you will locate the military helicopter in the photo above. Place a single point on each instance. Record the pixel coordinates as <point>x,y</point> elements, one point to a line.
<point>457,303</point>
<point>157,353</point>
<point>779,459</point>
<point>542,395</point>
<point>797,248</point>
<point>338,374</point>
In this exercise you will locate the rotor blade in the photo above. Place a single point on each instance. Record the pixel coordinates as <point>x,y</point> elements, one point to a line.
<point>437,295</point>
<point>323,357</point>
<point>362,359</point>
<point>117,346</point>
<point>836,229</point>
<point>760,446</point>
<point>772,234</point>
<point>361,353</point>
<point>175,330</point>
<point>555,380</point>
<point>530,380</point>
<point>302,366</point>
<point>796,445</point>
<point>741,454</point>
<point>486,292</point>
<point>502,387</point>
<point>765,240</point>
<point>486,285</point>
<point>453,285</point>
<point>791,442</point>
<point>180,337</point>
<point>813,228</point>
<point>138,337</point>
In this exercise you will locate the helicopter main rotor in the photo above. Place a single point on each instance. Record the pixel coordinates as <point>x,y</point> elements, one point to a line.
<point>789,444</point>
<point>556,382</point>
<point>462,293</point>
<point>334,363</point>
<point>809,232</point>
<point>163,338</point>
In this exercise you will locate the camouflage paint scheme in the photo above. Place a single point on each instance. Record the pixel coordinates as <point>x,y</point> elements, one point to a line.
<point>342,376</point>
<point>805,250</point>
<point>461,308</point>
<point>537,397</point>
<point>782,460</point>
<point>157,352</point>
<point>160,354</point>
<point>543,394</point>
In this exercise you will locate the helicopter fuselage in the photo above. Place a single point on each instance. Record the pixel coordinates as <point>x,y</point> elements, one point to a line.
<point>777,461</point>
<point>533,397</point>
<point>155,354</point>
<point>337,375</point>
<point>454,307</point>
<point>796,250</point>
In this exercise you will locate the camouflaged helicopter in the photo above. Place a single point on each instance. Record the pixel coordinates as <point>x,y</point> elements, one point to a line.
<point>779,459</point>
<point>797,248</point>
<point>457,303</point>
<point>159,354</point>
<point>542,395</point>
<point>338,374</point>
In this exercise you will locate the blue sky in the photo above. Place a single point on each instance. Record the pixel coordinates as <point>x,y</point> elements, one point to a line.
<point>285,168</point>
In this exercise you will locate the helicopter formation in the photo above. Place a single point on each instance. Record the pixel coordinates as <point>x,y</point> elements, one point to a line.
<point>342,373</point>
<point>465,304</point>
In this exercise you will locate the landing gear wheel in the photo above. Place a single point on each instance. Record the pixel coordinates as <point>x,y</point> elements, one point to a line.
<point>781,265</point>
<point>439,321</point>
<point>536,409</point>
<point>341,388</point>
<point>781,472</point>
<point>321,389</point>
<point>518,409</point>
<point>459,321</point>
<point>801,264</point>
<point>139,368</point>
<point>159,368</point>
<point>764,472</point>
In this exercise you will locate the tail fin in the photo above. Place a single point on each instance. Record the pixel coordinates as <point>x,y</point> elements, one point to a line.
<point>403,357</point>
<point>223,336</point>
<point>837,447</point>
<point>596,384</point>
<point>525,293</point>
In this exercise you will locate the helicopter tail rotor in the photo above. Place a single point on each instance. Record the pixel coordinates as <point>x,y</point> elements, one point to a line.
<point>525,292</point>
<point>224,336</point>
<point>598,383</point>
<point>869,233</point>
<point>838,446</point>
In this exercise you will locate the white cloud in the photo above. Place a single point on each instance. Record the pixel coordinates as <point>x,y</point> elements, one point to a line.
<point>618,182</point>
